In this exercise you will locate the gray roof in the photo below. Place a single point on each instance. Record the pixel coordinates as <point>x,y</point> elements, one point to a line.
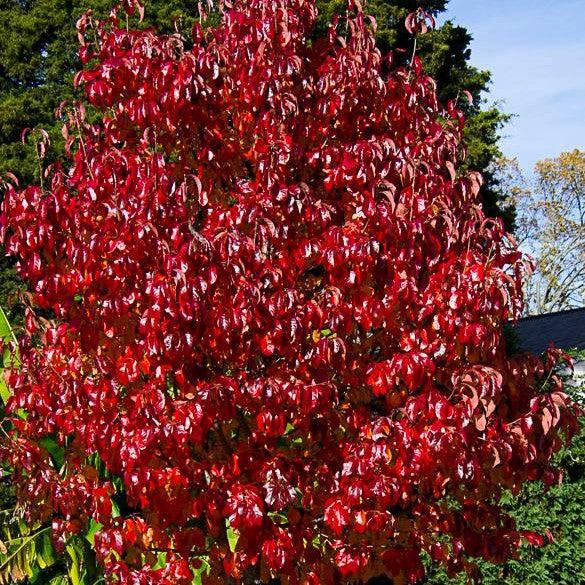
<point>566,329</point>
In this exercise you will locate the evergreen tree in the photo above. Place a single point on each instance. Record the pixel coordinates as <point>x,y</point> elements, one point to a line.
<point>38,58</point>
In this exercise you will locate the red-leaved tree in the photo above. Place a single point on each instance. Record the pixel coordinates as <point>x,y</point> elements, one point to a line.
<point>276,333</point>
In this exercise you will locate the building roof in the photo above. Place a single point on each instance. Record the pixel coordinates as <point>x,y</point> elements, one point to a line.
<point>566,329</point>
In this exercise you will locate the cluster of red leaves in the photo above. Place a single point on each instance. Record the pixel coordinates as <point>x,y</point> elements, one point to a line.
<point>277,314</point>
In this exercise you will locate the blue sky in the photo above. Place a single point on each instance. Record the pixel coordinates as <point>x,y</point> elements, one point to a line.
<point>536,53</point>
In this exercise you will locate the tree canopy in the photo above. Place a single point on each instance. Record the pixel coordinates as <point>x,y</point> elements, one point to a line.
<point>265,329</point>
<point>551,213</point>
<point>446,53</point>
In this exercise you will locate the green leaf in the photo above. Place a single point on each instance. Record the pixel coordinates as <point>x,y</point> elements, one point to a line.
<point>56,451</point>
<point>7,335</point>
<point>161,560</point>
<point>8,359</point>
<point>74,568</point>
<point>203,569</point>
<point>232,536</point>
<point>93,528</point>
<point>59,580</point>
<point>5,329</point>
<point>115,509</point>
<point>4,391</point>
<point>45,552</point>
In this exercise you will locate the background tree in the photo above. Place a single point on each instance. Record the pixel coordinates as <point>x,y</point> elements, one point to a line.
<point>551,227</point>
<point>559,282</point>
<point>38,57</point>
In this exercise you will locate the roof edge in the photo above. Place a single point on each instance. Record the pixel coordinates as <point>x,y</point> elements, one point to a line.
<point>543,315</point>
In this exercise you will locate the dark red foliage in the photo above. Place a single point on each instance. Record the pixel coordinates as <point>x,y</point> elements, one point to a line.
<point>278,314</point>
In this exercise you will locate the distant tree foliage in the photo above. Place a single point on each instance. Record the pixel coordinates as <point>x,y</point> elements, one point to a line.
<point>551,227</point>
<point>560,189</point>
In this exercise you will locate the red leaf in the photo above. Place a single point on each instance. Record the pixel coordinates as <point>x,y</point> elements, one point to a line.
<point>244,507</point>
<point>336,516</point>
<point>267,346</point>
<point>533,538</point>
